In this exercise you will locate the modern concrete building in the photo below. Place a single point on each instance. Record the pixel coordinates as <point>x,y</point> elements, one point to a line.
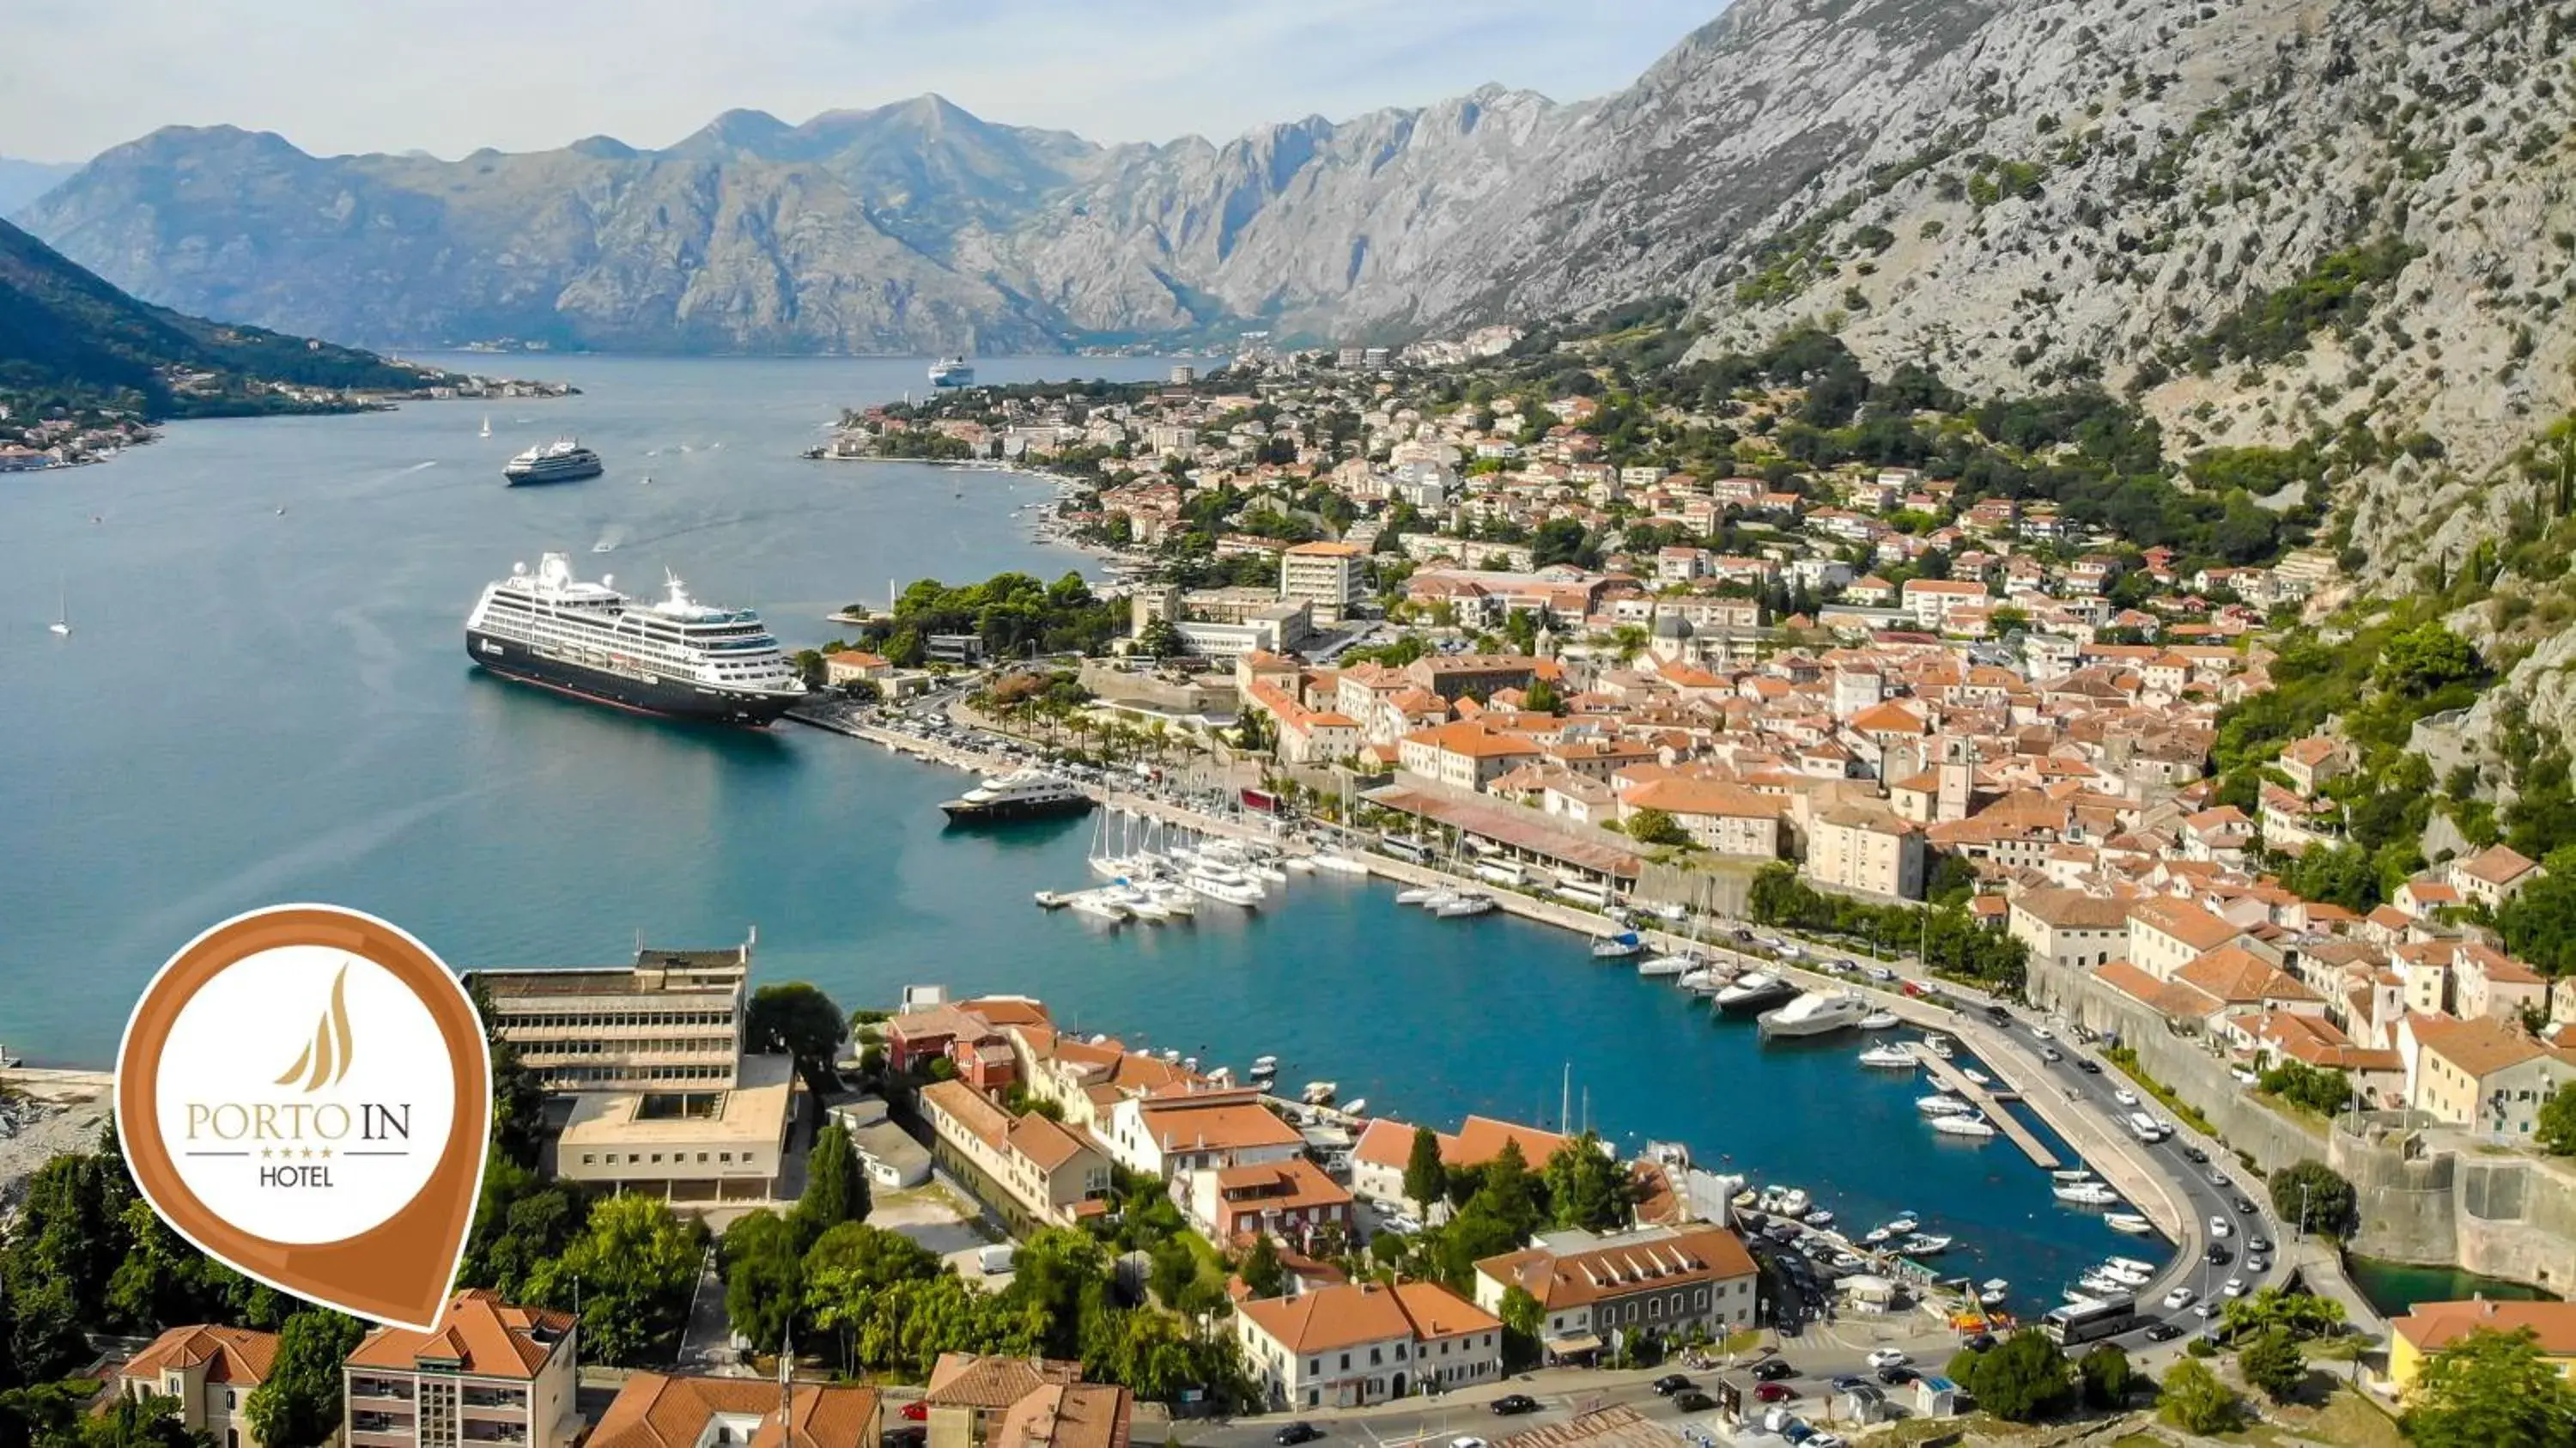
<point>489,1373</point>
<point>1331,576</point>
<point>209,1373</point>
<point>672,1021</point>
<point>695,1149</point>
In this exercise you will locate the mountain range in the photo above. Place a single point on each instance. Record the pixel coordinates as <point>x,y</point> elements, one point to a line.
<point>2257,215</point>
<point>24,181</point>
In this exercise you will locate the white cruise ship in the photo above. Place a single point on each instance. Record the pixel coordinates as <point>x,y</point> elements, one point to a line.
<point>1021,795</point>
<point>677,657</point>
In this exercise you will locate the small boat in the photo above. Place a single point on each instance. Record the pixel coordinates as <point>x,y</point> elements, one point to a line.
<point>1666,965</point>
<point>1617,947</point>
<point>1097,904</point>
<point>1888,1058</point>
<point>2085,1194</point>
<point>1990,1296</point>
<point>1358,1106</point>
<point>1938,1044</point>
<point>1794,1202</point>
<point>1702,981</point>
<point>1463,906</point>
<point>1051,900</point>
<point>1972,1127</point>
<point>1993,1284</point>
<point>1903,1223</point>
<point>1416,894</point>
<point>1440,898</point>
<point>1297,865</point>
<point>1925,1245</point>
<point>1820,1217</point>
<point>2098,1284</point>
<point>1264,1065</point>
<point>1876,1235</point>
<point>1171,1055</point>
<point>487,424</point>
<point>2071,1176</point>
<point>1339,865</point>
<point>1317,1093</point>
<point>1877,1021</point>
<point>2129,1222</point>
<point>2131,1265</point>
<point>1224,886</point>
<point>1942,1106</point>
<point>2124,1276</point>
<point>1744,1199</point>
<point>1977,1077</point>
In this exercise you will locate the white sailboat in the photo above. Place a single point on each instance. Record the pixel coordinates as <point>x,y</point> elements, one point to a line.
<point>61,627</point>
<point>487,424</point>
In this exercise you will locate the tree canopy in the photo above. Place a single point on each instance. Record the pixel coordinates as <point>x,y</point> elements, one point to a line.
<point>298,1404</point>
<point>2312,1196</point>
<point>2491,1390</point>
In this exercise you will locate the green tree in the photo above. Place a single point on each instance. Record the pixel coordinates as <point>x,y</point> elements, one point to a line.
<point>764,1277</point>
<point>836,1186</point>
<point>298,1404</point>
<point>1655,827</point>
<point>2313,1197</point>
<point>1161,639</point>
<point>1542,697</point>
<point>796,1019</point>
<point>2273,1363</point>
<point>2022,1379</point>
<point>2491,1390</point>
<point>1262,1273</point>
<point>1426,1179</point>
<point>2302,1315</point>
<point>2426,659</point>
<point>2106,1374</point>
<point>2555,1131</point>
<point>1586,1188</point>
<point>148,1422</point>
<point>2194,1400</point>
<point>520,1222</point>
<point>633,1269</point>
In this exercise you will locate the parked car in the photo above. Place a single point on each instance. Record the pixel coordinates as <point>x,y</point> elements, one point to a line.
<point>1695,1401</point>
<point>1514,1404</point>
<point>1774,1392</point>
<point>1849,1381</point>
<point>2258,1243</point>
<point>1888,1357</point>
<point>2257,1262</point>
<point>2163,1332</point>
<point>1772,1370</point>
<point>1295,1433</point>
<point>1464,1441</point>
<point>916,1411</point>
<point>1897,1377</point>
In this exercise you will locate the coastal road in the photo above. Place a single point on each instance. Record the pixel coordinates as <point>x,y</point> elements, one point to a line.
<point>1562,1393</point>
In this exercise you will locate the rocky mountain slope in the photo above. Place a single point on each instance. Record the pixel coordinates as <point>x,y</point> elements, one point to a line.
<point>24,181</point>
<point>2264,216</point>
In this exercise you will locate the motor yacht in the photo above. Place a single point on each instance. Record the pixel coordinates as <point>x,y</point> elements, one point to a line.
<point>1888,1058</point>
<point>1227,887</point>
<point>2085,1194</point>
<point>1417,894</point>
<point>1938,1044</point>
<point>1940,1105</point>
<point>1617,947</point>
<point>1813,1014</point>
<point>1463,906</point>
<point>1878,1021</point>
<point>1339,865</point>
<point>1666,965</point>
<point>1098,905</point>
<point>1754,991</point>
<point>2129,1222</point>
<point>1924,1245</point>
<point>1973,1127</point>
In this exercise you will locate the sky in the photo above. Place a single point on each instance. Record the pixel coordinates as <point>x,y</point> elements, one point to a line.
<point>535,74</point>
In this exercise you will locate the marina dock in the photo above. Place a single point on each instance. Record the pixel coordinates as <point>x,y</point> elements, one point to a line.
<point>1956,1083</point>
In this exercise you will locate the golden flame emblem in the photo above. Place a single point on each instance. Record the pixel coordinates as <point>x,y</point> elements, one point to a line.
<point>326,1057</point>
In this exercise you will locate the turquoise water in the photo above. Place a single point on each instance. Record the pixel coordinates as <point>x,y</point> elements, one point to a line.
<point>259,708</point>
<point>2393,1288</point>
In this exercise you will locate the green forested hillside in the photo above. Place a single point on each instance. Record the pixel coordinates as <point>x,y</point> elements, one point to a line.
<point>69,339</point>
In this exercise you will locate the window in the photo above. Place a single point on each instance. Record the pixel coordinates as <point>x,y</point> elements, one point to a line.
<point>588,1159</point>
<point>1376,1356</point>
<point>1346,1362</point>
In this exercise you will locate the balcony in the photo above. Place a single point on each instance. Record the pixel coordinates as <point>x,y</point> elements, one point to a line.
<point>480,1432</point>
<point>379,1392</point>
<point>381,1437</point>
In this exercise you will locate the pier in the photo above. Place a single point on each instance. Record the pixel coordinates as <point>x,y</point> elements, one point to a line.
<point>1956,1082</point>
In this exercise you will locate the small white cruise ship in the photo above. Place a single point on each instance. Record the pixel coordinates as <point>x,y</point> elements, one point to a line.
<point>1021,795</point>
<point>678,657</point>
<point>564,460</point>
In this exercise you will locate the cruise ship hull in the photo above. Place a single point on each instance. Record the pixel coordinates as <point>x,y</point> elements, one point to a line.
<point>966,812</point>
<point>673,698</point>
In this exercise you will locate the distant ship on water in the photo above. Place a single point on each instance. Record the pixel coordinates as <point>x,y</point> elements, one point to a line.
<point>952,372</point>
<point>562,461</point>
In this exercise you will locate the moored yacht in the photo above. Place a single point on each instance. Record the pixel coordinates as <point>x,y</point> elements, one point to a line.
<point>1813,1014</point>
<point>1753,991</point>
<point>1942,1106</point>
<point>1019,795</point>
<point>1617,947</point>
<point>1973,1127</point>
<point>1888,1058</point>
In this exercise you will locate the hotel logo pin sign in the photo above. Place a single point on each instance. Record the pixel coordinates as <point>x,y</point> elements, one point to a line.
<point>305,1094</point>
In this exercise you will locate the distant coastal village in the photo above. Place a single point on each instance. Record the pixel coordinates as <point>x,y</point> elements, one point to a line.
<point>49,430</point>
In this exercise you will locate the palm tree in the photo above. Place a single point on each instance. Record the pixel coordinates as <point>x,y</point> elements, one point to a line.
<point>1630,640</point>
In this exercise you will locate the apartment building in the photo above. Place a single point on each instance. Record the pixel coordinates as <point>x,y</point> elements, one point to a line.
<point>2482,1074</point>
<point>672,1021</point>
<point>1464,755</point>
<point>1726,818</point>
<point>1385,1148</point>
<point>2166,934</point>
<point>1657,1280</point>
<point>1198,1130</point>
<point>488,1373</point>
<point>1034,1171</point>
<point>209,1373</point>
<point>1290,1200</point>
<point>1347,1346</point>
<point>2069,928</point>
<point>970,1394</point>
<point>1331,576</point>
<point>1865,849</point>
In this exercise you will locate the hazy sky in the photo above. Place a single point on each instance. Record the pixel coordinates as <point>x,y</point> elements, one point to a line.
<point>534,74</point>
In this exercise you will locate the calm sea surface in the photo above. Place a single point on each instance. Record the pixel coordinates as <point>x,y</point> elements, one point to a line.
<point>259,707</point>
